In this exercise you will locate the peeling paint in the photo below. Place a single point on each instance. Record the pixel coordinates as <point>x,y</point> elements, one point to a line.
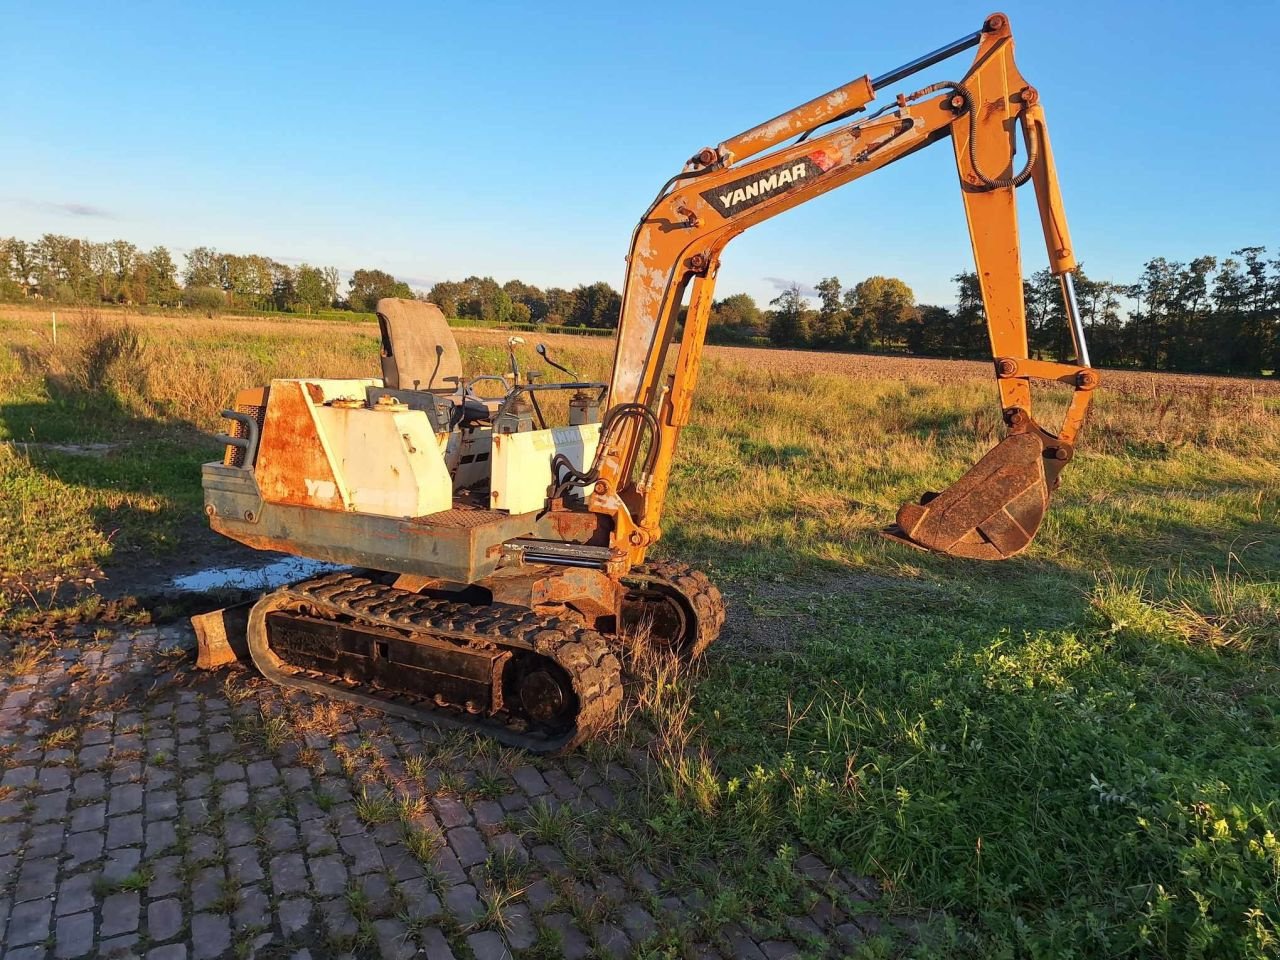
<point>321,489</point>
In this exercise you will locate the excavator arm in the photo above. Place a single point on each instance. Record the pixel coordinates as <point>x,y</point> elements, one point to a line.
<point>995,509</point>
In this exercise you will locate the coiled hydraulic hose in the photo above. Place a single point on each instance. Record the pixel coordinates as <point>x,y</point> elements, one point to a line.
<point>613,421</point>
<point>1028,135</point>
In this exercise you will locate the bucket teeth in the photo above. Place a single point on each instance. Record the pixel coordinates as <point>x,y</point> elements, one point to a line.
<point>991,513</point>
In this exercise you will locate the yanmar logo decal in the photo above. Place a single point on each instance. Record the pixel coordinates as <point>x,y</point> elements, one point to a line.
<point>732,198</point>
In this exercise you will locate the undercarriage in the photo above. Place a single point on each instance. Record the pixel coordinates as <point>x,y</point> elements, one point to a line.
<point>538,681</point>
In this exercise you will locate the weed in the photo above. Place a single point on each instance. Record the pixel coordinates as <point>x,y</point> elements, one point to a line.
<point>423,843</point>
<point>25,658</point>
<point>358,901</point>
<point>496,904</point>
<point>236,692</point>
<point>410,808</point>
<point>551,824</point>
<point>415,767</point>
<point>374,807</point>
<point>451,785</point>
<point>548,946</point>
<point>59,739</point>
<point>489,784</point>
<point>507,871</point>
<point>134,882</point>
<point>243,947</point>
<point>228,898</point>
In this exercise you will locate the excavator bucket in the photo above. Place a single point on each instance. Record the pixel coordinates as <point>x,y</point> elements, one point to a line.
<point>992,512</point>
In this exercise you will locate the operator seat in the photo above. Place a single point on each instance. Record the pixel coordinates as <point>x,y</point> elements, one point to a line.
<point>418,349</point>
<point>420,353</point>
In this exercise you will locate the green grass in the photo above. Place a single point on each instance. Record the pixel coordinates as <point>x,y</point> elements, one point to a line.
<point>1102,788</point>
<point>375,808</point>
<point>1072,754</point>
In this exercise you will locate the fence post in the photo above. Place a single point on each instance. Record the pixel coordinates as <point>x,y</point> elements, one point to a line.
<point>55,327</point>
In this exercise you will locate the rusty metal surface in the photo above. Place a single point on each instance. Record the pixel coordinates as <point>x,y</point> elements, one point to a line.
<point>461,515</point>
<point>461,554</point>
<point>554,590</point>
<point>252,402</point>
<point>573,524</point>
<point>221,637</point>
<point>293,466</point>
<point>832,104</point>
<point>990,513</point>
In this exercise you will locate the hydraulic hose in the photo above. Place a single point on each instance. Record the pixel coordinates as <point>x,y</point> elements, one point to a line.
<point>1028,136</point>
<point>572,477</point>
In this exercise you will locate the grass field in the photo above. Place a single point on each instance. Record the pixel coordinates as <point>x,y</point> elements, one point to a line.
<point>1069,754</point>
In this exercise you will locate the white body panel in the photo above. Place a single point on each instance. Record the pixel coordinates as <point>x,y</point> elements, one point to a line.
<point>522,463</point>
<point>389,462</point>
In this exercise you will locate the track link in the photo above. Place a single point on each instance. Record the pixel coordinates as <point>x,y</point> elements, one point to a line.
<point>701,600</point>
<point>592,668</point>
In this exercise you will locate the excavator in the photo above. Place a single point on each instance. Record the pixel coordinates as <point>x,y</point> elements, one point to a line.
<point>493,564</point>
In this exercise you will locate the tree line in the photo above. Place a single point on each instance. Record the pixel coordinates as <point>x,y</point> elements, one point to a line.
<point>69,270</point>
<point>1210,314</point>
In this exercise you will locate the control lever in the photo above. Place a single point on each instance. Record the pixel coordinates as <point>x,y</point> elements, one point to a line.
<point>542,352</point>
<point>515,365</point>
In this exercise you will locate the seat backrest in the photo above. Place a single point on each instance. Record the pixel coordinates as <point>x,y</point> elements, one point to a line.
<point>418,349</point>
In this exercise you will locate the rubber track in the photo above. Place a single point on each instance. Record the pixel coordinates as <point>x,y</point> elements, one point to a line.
<point>584,655</point>
<point>701,595</point>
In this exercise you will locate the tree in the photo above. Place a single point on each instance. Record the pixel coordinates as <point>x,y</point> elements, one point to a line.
<point>1100,313</point>
<point>883,306</point>
<point>202,268</point>
<point>15,267</point>
<point>207,299</point>
<point>969,333</point>
<point>529,297</point>
<point>560,305</point>
<point>161,283</point>
<point>312,289</point>
<point>597,305</point>
<point>446,295</point>
<point>367,287</point>
<point>1046,321</point>
<point>483,299</point>
<point>932,332</point>
<point>831,326</point>
<point>789,325</point>
<point>736,317</point>
<point>1157,289</point>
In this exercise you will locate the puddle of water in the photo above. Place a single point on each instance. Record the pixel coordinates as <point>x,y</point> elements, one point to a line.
<point>282,571</point>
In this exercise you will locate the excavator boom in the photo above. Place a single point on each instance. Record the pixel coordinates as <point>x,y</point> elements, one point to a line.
<point>995,509</point>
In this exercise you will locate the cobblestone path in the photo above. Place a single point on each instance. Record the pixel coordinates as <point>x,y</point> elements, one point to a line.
<point>148,809</point>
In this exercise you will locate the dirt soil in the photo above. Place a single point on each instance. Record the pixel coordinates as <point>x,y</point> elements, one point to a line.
<point>881,366</point>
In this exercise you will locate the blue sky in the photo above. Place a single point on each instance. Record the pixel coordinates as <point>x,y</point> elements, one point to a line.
<point>525,139</point>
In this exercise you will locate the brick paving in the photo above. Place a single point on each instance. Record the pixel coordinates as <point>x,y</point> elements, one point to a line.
<point>151,810</point>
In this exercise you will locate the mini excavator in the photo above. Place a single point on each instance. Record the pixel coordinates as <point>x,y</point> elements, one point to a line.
<point>496,561</point>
